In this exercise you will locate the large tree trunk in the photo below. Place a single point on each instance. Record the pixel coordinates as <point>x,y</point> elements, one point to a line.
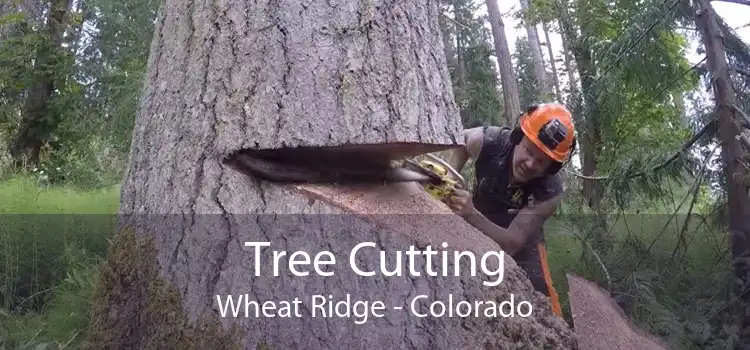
<point>508,80</point>
<point>229,76</point>
<point>733,155</point>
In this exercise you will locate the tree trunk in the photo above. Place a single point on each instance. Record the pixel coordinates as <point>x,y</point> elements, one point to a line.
<point>510,85</point>
<point>553,64</point>
<point>590,138</point>
<point>460,63</point>
<point>447,42</point>
<point>227,76</point>
<point>38,119</point>
<point>569,68</point>
<point>733,155</point>
<point>536,56</point>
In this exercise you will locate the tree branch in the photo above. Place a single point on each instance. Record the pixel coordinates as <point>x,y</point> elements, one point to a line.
<point>745,119</point>
<point>706,129</point>
<point>741,2</point>
<point>741,71</point>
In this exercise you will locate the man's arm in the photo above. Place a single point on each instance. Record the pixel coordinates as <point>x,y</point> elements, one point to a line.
<point>528,221</point>
<point>472,146</point>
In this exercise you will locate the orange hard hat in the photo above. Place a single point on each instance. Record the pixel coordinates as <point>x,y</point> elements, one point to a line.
<point>550,127</point>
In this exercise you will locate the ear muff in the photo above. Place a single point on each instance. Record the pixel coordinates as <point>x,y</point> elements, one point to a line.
<point>557,166</point>
<point>516,135</point>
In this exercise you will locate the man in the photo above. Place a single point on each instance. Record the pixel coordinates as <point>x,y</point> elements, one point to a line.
<point>518,186</point>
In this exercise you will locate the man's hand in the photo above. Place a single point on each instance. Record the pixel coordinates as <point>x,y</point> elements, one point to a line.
<point>460,202</point>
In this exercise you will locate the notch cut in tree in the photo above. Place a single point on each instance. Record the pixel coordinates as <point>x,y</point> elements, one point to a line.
<point>231,76</point>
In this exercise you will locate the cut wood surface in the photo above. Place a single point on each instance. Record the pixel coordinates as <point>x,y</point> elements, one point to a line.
<point>600,323</point>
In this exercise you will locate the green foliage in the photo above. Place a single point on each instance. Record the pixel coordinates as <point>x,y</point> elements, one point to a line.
<point>479,95</point>
<point>670,272</point>
<point>528,88</point>
<point>475,79</point>
<point>52,241</point>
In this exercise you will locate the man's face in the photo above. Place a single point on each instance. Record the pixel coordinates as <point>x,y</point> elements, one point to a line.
<point>529,161</point>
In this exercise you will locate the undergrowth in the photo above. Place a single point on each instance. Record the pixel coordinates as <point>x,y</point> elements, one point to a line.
<point>51,242</point>
<point>49,260</point>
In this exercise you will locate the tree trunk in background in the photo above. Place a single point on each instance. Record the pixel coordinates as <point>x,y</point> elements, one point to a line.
<point>553,64</point>
<point>229,76</point>
<point>510,85</point>
<point>460,70</point>
<point>569,68</point>
<point>536,55</point>
<point>589,136</point>
<point>679,103</point>
<point>733,154</point>
<point>447,42</point>
<point>38,119</point>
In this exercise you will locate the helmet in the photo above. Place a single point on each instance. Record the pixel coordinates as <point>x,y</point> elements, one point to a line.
<point>550,127</point>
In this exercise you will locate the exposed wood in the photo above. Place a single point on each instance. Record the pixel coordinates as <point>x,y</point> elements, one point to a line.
<point>600,323</point>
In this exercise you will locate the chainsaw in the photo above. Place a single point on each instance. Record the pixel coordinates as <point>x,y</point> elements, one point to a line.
<point>311,165</point>
<point>447,178</point>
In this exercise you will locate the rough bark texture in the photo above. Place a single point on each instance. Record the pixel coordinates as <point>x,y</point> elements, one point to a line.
<point>601,324</point>
<point>511,99</point>
<point>733,154</point>
<point>228,76</point>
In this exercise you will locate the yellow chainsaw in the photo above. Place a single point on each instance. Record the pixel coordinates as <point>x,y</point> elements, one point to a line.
<point>445,178</point>
<point>339,165</point>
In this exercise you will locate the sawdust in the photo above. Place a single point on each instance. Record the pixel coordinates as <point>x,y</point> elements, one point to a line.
<point>600,323</point>
<point>406,209</point>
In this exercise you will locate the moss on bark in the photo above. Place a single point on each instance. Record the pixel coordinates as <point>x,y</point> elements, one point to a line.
<point>135,308</point>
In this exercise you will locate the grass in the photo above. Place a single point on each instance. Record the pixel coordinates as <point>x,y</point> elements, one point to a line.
<point>52,239</point>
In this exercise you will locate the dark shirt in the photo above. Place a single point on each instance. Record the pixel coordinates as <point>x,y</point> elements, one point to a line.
<point>494,195</point>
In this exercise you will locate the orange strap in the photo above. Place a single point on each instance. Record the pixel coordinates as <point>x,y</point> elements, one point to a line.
<point>553,297</point>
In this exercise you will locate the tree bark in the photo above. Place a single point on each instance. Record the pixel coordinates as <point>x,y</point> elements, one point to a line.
<point>733,154</point>
<point>227,76</point>
<point>508,80</point>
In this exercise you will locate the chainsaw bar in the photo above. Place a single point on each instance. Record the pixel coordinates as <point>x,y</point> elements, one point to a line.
<point>325,170</point>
